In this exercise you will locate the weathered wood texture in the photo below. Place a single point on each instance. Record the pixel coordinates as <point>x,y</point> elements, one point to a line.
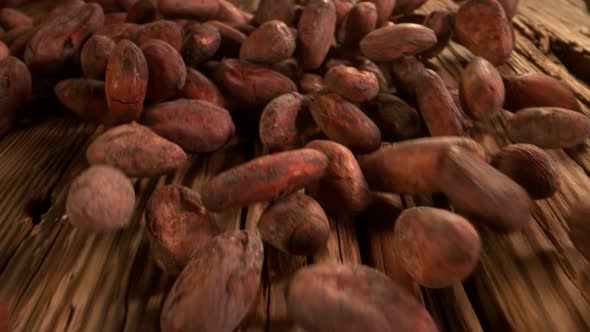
<point>56,279</point>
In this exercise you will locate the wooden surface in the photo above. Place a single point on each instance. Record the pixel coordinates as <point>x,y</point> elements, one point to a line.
<point>55,278</point>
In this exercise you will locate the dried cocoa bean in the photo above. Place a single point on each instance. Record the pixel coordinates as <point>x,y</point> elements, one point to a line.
<point>15,91</point>
<point>167,72</point>
<point>195,125</point>
<point>436,247</point>
<point>343,190</point>
<point>397,120</point>
<point>265,177</point>
<point>438,109</point>
<point>319,296</point>
<point>441,22</point>
<point>316,29</point>
<point>198,86</point>
<point>482,193</point>
<point>538,90</point>
<point>143,11</point>
<point>95,56</point>
<point>530,167</point>
<point>177,225</point>
<point>218,286</point>
<point>358,22</point>
<point>413,166</point>
<point>126,81</point>
<point>482,27</point>
<point>167,31</point>
<point>100,199</point>
<point>136,150</point>
<point>295,224</point>
<point>481,89</point>
<point>280,126</point>
<point>60,40</point>
<point>352,84</point>
<point>250,85</point>
<point>282,10</point>
<point>201,44</point>
<point>345,123</point>
<point>85,98</point>
<point>11,18</point>
<point>270,43</point>
<point>201,9</point>
<point>391,43</point>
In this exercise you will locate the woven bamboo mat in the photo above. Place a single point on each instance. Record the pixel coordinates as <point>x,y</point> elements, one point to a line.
<point>56,279</point>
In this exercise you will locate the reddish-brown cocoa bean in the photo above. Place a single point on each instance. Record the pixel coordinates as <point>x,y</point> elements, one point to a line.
<point>438,109</point>
<point>201,44</point>
<point>19,44</point>
<point>136,150</point>
<point>316,29</point>
<point>177,225</point>
<point>481,89</point>
<point>482,27</point>
<point>345,123</point>
<point>358,22</point>
<point>231,39</point>
<point>60,40</point>
<point>381,71</point>
<point>436,247</point>
<point>95,56</point>
<point>343,190</point>
<point>391,43</point>
<point>270,43</point>
<point>108,5</point>
<point>319,296</point>
<point>384,9</point>
<point>579,226</point>
<point>167,72</point>
<point>548,127</point>
<point>15,91</point>
<point>167,31</point>
<point>126,81</point>
<point>538,90</point>
<point>118,31</point>
<point>198,86</point>
<point>413,166</point>
<point>352,84</point>
<point>279,123</point>
<point>479,191</point>
<point>407,6</point>
<point>201,9</point>
<point>218,286</point>
<point>530,167</point>
<point>312,83</point>
<point>441,22</point>
<point>115,18</point>
<point>510,7</point>
<point>100,199</point>
<point>195,125</point>
<point>289,67</point>
<point>282,10</point>
<point>85,98</point>
<point>10,36</point>
<point>228,12</point>
<point>4,51</point>
<point>342,8</point>
<point>295,224</point>
<point>143,11</point>
<point>11,18</point>
<point>397,120</point>
<point>249,84</point>
<point>265,177</point>
<point>126,4</point>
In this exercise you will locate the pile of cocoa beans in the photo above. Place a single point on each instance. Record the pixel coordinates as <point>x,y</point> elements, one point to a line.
<point>347,106</point>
